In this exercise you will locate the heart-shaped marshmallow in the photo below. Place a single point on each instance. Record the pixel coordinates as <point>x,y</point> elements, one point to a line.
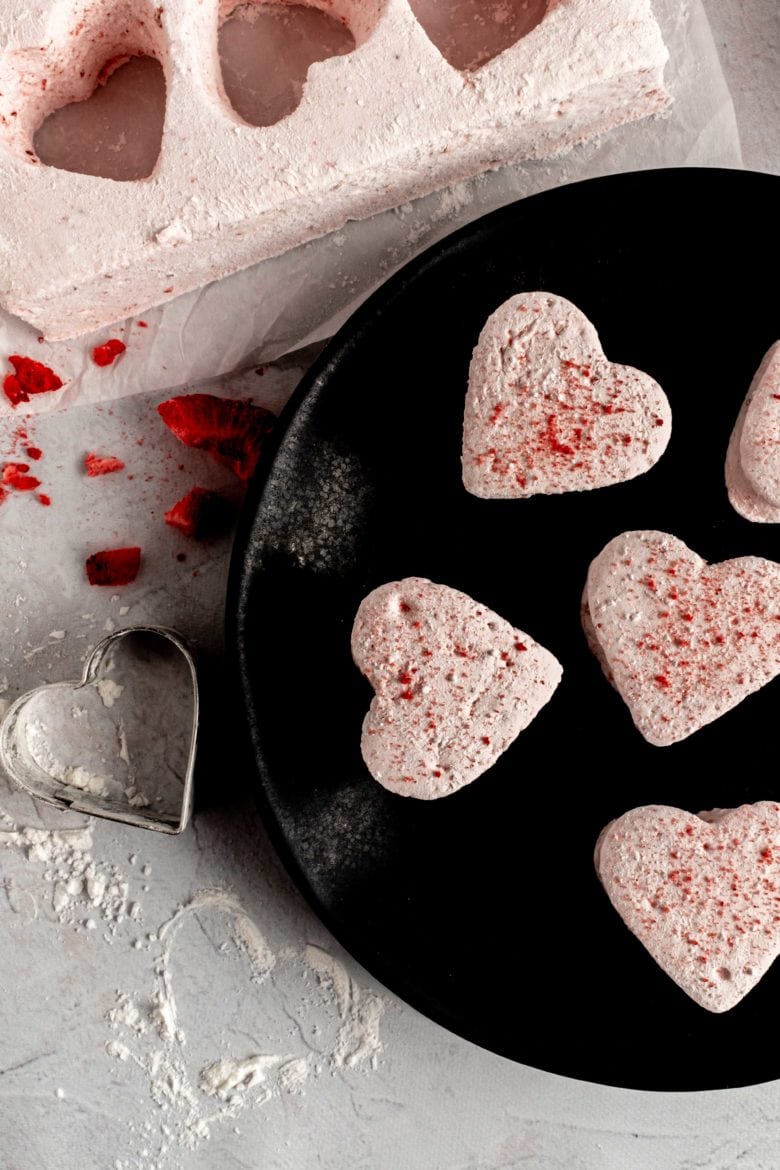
<point>455,685</point>
<point>547,413</point>
<point>700,892</point>
<point>118,744</point>
<point>753,459</point>
<point>681,640</point>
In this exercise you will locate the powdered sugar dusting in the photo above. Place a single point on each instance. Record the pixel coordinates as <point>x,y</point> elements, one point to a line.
<point>77,883</point>
<point>336,1028</point>
<point>332,974</point>
<point>109,691</point>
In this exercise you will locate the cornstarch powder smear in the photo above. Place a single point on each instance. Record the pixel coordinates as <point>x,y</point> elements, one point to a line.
<point>199,1076</point>
<point>336,1028</point>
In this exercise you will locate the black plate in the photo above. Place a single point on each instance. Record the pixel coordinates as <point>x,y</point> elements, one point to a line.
<point>483,910</point>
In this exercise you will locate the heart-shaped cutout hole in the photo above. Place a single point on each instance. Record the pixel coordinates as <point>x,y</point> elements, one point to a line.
<point>119,744</point>
<point>469,33</point>
<point>265,51</point>
<point>117,132</point>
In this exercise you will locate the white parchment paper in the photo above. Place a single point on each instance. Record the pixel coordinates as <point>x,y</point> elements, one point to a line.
<point>283,304</point>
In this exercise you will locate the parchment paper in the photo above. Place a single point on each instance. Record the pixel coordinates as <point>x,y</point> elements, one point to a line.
<point>283,304</point>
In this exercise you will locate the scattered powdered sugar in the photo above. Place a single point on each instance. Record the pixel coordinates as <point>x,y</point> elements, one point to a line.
<point>116,1049</point>
<point>76,881</point>
<point>331,973</point>
<point>337,1028</point>
<point>253,944</point>
<point>108,690</point>
<point>57,845</point>
<point>294,1074</point>
<point>227,1078</point>
<point>37,741</point>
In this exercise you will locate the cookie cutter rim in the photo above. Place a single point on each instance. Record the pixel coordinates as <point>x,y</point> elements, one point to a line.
<point>82,803</point>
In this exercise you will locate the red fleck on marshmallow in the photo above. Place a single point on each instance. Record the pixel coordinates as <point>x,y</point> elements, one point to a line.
<point>753,459</point>
<point>681,640</point>
<point>701,893</point>
<point>546,412</point>
<point>455,685</point>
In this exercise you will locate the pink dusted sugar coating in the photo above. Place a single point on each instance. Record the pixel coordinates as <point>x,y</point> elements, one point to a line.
<point>701,893</point>
<point>546,412</point>
<point>455,685</point>
<point>682,641</point>
<point>753,458</point>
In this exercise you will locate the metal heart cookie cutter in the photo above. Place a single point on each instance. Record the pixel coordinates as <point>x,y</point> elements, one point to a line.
<point>121,743</point>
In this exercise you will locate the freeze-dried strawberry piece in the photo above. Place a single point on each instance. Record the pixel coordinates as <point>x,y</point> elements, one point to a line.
<point>114,566</point>
<point>29,377</point>
<point>200,514</point>
<point>101,464</point>
<point>106,354</point>
<point>15,476</point>
<point>230,432</point>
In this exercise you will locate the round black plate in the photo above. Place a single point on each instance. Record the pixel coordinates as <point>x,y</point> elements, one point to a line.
<point>483,910</point>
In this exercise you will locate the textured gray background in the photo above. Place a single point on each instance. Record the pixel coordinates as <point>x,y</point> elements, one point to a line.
<point>432,1100</point>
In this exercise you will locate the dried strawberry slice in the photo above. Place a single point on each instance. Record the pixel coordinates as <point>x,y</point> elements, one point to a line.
<point>95,465</point>
<point>230,432</point>
<point>15,476</point>
<point>29,377</point>
<point>106,354</point>
<point>114,566</point>
<point>201,514</point>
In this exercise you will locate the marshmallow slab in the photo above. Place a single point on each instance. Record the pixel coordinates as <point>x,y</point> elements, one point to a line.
<point>390,121</point>
<point>455,685</point>
<point>546,412</point>
<point>753,458</point>
<point>699,892</point>
<point>681,640</point>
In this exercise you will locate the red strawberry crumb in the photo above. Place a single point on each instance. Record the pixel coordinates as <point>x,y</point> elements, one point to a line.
<point>101,464</point>
<point>29,377</point>
<point>44,499</point>
<point>106,354</point>
<point>200,514</point>
<point>114,566</point>
<point>230,432</point>
<point>34,453</point>
<point>15,476</point>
